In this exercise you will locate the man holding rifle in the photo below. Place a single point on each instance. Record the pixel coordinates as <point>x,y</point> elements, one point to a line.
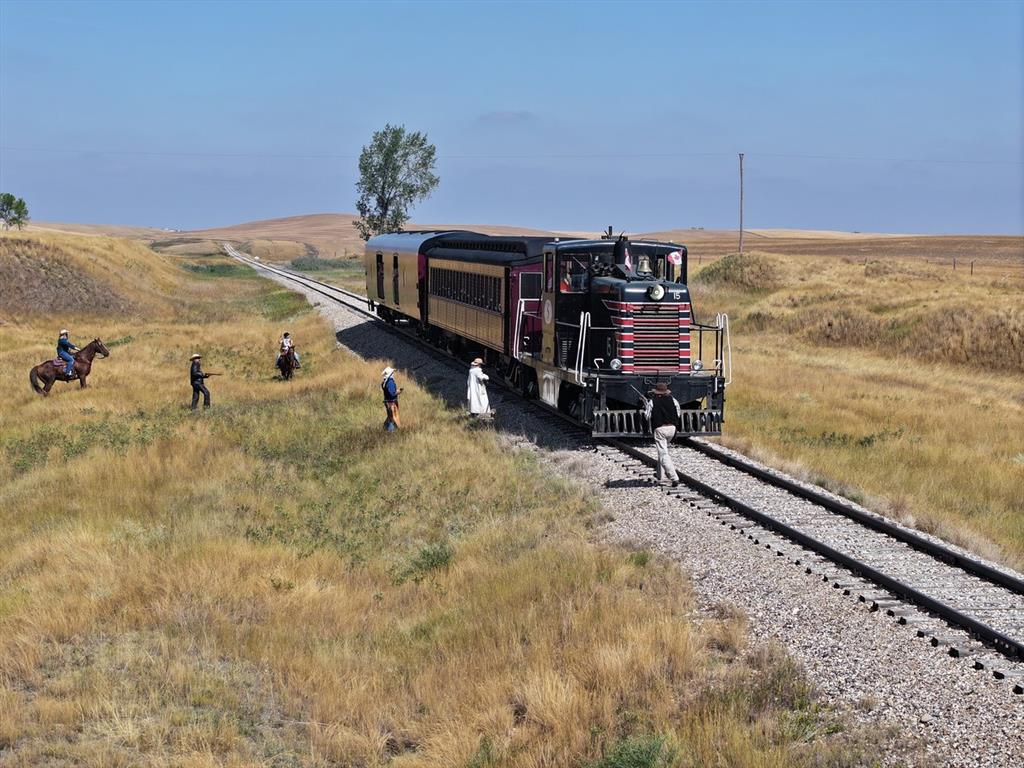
<point>196,376</point>
<point>663,413</point>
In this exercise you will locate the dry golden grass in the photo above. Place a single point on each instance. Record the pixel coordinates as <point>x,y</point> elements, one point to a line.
<point>897,380</point>
<point>278,582</point>
<point>275,250</point>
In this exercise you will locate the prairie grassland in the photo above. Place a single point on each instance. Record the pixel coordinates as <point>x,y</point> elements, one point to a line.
<point>345,273</point>
<point>897,381</point>
<point>278,582</point>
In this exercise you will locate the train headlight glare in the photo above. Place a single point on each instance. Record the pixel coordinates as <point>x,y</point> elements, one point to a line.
<point>698,365</point>
<point>656,292</point>
<point>615,364</point>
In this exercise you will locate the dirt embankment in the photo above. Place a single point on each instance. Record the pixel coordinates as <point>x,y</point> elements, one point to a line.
<point>56,274</point>
<point>40,277</point>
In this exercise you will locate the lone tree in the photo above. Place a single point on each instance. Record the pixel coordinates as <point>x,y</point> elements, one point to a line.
<point>13,211</point>
<point>396,170</point>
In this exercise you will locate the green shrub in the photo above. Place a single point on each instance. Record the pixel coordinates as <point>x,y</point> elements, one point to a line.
<point>746,271</point>
<point>315,263</point>
<point>636,752</point>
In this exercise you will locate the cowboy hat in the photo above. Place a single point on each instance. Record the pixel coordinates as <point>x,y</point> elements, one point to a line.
<point>661,388</point>
<point>63,331</point>
<point>477,361</point>
<point>386,373</point>
<point>196,356</point>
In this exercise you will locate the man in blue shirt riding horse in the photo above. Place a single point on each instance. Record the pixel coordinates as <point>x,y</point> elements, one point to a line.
<point>65,351</point>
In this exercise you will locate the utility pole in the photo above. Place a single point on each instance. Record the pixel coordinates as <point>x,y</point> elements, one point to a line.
<point>741,202</point>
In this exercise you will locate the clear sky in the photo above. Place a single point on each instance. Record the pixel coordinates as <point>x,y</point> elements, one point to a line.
<point>858,116</point>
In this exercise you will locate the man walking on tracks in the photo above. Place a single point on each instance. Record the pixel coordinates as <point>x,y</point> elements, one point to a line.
<point>663,414</point>
<point>196,376</point>
<point>391,391</point>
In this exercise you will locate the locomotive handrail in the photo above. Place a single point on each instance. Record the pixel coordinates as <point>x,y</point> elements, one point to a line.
<point>582,345</point>
<point>723,321</point>
<point>516,341</point>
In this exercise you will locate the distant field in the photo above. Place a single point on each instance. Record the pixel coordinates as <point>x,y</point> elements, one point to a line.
<point>332,234</point>
<point>279,582</point>
<point>107,230</point>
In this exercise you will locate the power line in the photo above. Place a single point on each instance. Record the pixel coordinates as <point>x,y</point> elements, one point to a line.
<point>548,156</point>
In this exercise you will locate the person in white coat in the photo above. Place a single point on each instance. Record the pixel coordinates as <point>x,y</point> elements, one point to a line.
<point>476,392</point>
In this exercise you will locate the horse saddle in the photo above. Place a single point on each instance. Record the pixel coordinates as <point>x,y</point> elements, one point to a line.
<point>59,366</point>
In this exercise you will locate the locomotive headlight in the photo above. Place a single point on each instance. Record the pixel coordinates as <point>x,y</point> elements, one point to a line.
<point>698,366</point>
<point>656,292</point>
<point>615,364</point>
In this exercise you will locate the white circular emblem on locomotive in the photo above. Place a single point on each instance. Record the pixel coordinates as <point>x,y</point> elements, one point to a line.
<point>547,311</point>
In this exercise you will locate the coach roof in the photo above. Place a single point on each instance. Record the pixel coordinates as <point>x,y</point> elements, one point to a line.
<point>485,249</point>
<point>406,242</point>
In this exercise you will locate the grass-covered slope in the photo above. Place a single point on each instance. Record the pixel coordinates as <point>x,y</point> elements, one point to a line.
<point>278,582</point>
<point>899,378</point>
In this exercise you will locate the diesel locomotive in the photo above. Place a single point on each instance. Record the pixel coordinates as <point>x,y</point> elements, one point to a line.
<point>587,326</point>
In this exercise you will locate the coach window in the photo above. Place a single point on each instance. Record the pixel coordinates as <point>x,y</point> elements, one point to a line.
<point>394,279</point>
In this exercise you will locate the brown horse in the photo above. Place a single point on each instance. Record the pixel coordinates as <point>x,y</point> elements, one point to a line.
<point>286,363</point>
<point>53,370</point>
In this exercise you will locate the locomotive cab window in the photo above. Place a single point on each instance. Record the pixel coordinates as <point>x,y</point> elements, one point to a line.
<point>530,285</point>
<point>574,274</point>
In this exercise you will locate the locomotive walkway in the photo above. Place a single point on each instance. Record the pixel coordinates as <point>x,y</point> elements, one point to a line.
<point>991,731</point>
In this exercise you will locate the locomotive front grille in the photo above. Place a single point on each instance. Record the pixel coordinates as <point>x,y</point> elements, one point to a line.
<point>654,337</point>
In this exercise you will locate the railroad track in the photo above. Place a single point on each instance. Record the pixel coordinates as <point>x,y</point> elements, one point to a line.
<point>949,598</point>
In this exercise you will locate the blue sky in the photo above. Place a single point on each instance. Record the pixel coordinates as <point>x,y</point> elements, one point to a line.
<point>868,116</point>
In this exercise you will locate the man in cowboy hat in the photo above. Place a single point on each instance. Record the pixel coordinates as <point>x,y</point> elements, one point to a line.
<point>662,412</point>
<point>391,391</point>
<point>196,377</point>
<point>66,351</point>
<point>476,392</point>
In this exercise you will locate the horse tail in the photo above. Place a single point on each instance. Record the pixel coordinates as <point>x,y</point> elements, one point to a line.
<point>33,379</point>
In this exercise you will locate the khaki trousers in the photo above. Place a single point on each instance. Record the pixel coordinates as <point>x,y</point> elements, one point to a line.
<point>666,469</point>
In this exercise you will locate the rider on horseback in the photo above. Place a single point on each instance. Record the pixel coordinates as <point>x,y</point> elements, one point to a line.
<point>284,344</point>
<point>65,351</point>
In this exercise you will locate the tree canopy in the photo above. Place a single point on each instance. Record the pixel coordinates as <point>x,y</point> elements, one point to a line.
<point>13,211</point>
<point>396,170</point>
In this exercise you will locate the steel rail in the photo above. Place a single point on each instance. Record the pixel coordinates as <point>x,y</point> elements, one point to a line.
<point>1006,645</point>
<point>877,523</point>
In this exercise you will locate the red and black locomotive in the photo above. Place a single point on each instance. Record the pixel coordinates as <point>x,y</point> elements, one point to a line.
<point>587,326</point>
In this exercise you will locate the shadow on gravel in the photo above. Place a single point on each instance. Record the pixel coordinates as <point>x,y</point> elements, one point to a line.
<point>446,379</point>
<point>639,482</point>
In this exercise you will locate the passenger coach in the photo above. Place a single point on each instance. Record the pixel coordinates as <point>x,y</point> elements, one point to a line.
<point>587,326</point>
